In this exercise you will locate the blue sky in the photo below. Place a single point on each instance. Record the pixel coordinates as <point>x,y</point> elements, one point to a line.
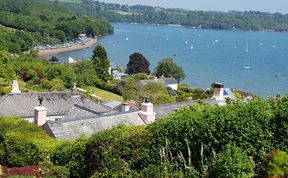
<point>215,5</point>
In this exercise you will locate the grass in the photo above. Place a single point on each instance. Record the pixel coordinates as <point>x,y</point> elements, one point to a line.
<point>105,95</point>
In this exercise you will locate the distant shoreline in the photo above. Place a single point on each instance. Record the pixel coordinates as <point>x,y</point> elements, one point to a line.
<point>49,52</point>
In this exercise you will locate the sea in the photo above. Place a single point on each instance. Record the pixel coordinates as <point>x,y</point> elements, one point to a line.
<point>206,56</point>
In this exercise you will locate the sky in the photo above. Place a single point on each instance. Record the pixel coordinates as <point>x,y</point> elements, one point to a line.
<point>214,5</point>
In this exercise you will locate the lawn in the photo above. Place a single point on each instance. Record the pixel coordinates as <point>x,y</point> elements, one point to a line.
<point>105,95</point>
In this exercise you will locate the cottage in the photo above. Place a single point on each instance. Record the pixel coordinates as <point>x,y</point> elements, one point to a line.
<point>167,82</point>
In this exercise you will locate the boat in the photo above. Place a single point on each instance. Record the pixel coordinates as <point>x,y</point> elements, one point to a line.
<point>248,67</point>
<point>277,75</point>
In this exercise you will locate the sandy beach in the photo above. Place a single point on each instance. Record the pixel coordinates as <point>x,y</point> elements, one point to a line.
<point>49,52</point>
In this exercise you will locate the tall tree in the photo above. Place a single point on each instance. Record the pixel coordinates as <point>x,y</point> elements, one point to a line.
<point>101,62</point>
<point>167,68</point>
<point>137,64</point>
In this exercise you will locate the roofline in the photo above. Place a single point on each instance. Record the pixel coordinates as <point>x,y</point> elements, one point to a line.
<point>91,117</point>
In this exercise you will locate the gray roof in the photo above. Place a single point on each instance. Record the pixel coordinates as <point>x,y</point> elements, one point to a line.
<point>113,104</point>
<point>164,81</point>
<point>229,94</point>
<point>57,104</point>
<point>70,129</point>
<point>117,106</point>
<point>144,82</point>
<point>167,109</point>
<point>170,81</point>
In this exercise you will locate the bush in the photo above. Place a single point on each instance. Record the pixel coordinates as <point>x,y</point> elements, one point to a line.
<point>23,143</point>
<point>247,125</point>
<point>277,163</point>
<point>18,151</point>
<point>120,150</point>
<point>71,155</point>
<point>232,162</point>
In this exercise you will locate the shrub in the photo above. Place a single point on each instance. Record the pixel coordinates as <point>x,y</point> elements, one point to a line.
<point>247,125</point>
<point>277,163</point>
<point>22,143</point>
<point>232,162</point>
<point>71,155</point>
<point>122,149</point>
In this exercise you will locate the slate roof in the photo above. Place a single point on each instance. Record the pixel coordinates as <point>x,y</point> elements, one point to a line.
<point>170,81</point>
<point>164,81</point>
<point>70,129</point>
<point>167,109</point>
<point>117,106</point>
<point>57,104</point>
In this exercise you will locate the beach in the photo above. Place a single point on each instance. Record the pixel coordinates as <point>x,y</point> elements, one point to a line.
<point>49,52</point>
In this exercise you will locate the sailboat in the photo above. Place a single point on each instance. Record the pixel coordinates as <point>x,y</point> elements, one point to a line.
<point>248,67</point>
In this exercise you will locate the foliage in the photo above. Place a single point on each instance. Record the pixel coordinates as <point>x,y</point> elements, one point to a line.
<point>18,150</point>
<point>47,169</point>
<point>280,111</point>
<point>101,62</point>
<point>137,64</point>
<point>247,125</point>
<point>23,143</point>
<point>232,20</point>
<point>22,171</point>
<point>141,76</point>
<point>185,91</point>
<point>277,163</point>
<point>156,92</point>
<point>71,155</point>
<point>167,68</point>
<point>232,162</point>
<point>63,73</point>
<point>26,24</point>
<point>121,149</point>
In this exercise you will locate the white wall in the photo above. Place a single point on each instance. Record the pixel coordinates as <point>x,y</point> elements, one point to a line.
<point>173,86</point>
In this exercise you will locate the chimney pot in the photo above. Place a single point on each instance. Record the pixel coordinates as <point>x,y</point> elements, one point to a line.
<point>15,87</point>
<point>147,113</point>
<point>125,107</point>
<point>40,115</point>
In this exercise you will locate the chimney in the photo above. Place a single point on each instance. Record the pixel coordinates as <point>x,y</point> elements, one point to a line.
<point>74,91</point>
<point>125,107</point>
<point>40,113</point>
<point>15,87</point>
<point>147,113</point>
<point>218,94</point>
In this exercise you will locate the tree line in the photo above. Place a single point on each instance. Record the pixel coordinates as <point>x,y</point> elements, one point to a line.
<point>232,20</point>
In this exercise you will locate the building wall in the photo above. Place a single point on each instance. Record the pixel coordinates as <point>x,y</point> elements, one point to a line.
<point>173,86</point>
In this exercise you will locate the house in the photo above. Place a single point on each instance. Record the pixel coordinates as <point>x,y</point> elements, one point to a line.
<point>68,115</point>
<point>220,93</point>
<point>114,71</point>
<point>167,82</point>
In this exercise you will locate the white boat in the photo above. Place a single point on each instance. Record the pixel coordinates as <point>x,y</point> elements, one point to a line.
<point>248,67</point>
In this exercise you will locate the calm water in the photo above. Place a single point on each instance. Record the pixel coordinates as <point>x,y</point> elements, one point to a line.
<point>205,55</point>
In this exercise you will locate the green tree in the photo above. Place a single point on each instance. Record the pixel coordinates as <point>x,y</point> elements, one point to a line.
<point>232,162</point>
<point>167,68</point>
<point>101,62</point>
<point>137,64</point>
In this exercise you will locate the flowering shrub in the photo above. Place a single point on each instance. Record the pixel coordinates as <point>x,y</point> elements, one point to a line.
<point>23,171</point>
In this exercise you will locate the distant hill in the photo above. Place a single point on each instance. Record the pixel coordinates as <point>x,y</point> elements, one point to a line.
<point>232,20</point>
<point>27,23</point>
